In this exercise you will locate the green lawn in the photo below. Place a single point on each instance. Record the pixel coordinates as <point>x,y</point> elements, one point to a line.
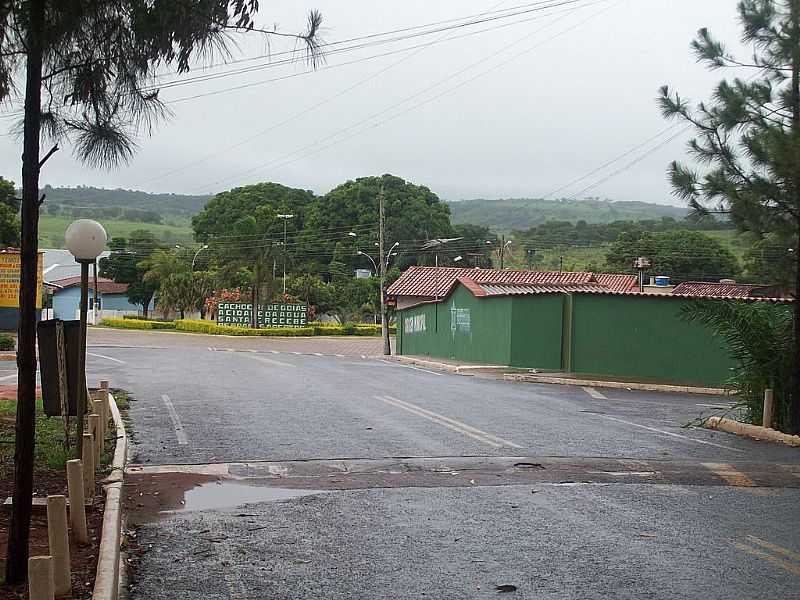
<point>52,228</point>
<point>49,453</point>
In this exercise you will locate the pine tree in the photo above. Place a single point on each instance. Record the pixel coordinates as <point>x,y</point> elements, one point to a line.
<point>89,69</point>
<point>748,138</point>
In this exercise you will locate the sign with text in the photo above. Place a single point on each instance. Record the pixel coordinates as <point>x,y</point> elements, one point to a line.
<point>270,315</point>
<point>9,279</point>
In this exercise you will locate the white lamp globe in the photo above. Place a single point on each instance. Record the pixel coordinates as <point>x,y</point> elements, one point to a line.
<point>85,239</point>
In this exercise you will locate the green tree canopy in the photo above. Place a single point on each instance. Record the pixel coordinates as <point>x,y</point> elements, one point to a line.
<point>124,265</point>
<point>747,142</point>
<point>682,255</point>
<point>9,214</point>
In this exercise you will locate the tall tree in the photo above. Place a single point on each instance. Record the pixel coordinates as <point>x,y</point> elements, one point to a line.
<point>123,265</point>
<point>748,138</point>
<point>9,214</point>
<point>89,69</point>
<point>683,255</point>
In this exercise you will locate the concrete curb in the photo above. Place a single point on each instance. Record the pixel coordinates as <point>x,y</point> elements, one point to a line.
<point>621,385</point>
<point>752,431</point>
<point>431,364</point>
<point>106,583</point>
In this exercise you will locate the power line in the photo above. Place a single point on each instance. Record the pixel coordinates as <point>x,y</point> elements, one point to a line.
<point>287,160</point>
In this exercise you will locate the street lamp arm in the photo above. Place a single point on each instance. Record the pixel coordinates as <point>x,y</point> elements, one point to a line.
<point>372,260</point>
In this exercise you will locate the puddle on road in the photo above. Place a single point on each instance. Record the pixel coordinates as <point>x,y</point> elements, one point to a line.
<point>150,497</point>
<point>225,494</point>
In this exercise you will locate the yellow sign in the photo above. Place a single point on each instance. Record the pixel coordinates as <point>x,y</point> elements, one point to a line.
<point>9,279</point>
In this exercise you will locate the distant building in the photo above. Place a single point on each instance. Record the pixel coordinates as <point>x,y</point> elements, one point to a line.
<point>113,298</point>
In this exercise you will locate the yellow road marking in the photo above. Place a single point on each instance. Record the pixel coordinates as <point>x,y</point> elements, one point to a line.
<point>775,548</point>
<point>730,475</point>
<point>778,562</point>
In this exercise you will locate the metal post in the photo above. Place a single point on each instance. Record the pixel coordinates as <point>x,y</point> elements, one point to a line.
<point>769,404</point>
<point>96,301</point>
<point>387,346</point>
<point>80,392</point>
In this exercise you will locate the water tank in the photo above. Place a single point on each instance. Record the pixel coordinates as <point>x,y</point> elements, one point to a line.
<point>662,281</point>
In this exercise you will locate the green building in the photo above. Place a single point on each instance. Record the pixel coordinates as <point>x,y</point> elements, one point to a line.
<point>571,322</point>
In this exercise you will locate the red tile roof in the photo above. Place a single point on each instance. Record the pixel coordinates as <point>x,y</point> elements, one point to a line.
<point>432,282</point>
<point>523,289</point>
<point>728,290</point>
<point>104,285</point>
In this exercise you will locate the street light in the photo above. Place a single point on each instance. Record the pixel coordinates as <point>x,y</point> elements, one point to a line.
<point>285,222</point>
<point>85,239</point>
<point>203,247</point>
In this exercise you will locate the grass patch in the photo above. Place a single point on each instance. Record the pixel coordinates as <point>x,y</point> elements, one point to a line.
<point>52,228</point>
<point>49,454</point>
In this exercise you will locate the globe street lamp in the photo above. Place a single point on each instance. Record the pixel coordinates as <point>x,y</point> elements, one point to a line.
<point>85,239</point>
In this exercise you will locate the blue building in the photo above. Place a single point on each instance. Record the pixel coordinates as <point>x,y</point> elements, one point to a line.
<point>113,298</point>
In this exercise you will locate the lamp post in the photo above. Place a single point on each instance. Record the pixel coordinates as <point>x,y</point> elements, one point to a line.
<point>285,222</point>
<point>85,239</point>
<point>203,247</point>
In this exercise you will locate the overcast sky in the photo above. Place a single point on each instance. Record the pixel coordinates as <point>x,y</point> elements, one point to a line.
<point>518,111</point>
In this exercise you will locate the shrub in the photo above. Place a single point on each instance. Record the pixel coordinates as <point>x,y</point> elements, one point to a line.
<point>212,328</point>
<point>759,337</point>
<point>137,324</point>
<point>7,342</point>
<point>361,329</point>
<point>141,318</point>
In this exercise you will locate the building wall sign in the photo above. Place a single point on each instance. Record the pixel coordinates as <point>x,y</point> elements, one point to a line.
<point>270,315</point>
<point>461,320</point>
<point>415,324</point>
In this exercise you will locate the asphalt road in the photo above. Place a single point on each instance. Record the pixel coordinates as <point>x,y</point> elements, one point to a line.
<point>294,469</point>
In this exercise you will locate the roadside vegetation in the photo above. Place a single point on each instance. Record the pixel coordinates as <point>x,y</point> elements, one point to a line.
<point>210,327</point>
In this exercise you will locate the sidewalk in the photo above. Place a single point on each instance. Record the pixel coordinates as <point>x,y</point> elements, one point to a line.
<point>554,377</point>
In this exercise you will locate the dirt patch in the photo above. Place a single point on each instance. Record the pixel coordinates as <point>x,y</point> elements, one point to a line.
<point>82,558</point>
<point>8,391</point>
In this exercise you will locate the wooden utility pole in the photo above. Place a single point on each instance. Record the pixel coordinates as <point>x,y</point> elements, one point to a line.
<point>502,251</point>
<point>387,346</point>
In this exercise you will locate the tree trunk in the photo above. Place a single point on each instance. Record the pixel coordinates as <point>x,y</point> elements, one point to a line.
<point>794,390</point>
<point>19,530</point>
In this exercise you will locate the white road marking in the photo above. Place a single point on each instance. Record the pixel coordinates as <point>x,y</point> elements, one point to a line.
<point>297,353</point>
<point>339,355</point>
<point>275,351</point>
<point>594,393</point>
<point>625,473</point>
<point>318,354</point>
<point>468,430</point>
<point>8,377</point>
<point>670,434</point>
<point>270,361</point>
<point>176,421</point>
<point>719,406</point>
<point>388,362</point>
<point>116,360</point>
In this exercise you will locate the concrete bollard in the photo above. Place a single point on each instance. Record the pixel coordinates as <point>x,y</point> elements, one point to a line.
<point>102,396</point>
<point>769,407</point>
<point>77,509</point>
<point>58,537</point>
<point>88,465</point>
<point>40,578</point>
<point>99,409</point>
<point>94,429</point>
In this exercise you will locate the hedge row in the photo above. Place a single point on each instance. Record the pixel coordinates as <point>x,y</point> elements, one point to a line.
<point>214,329</point>
<point>210,327</point>
<point>137,324</point>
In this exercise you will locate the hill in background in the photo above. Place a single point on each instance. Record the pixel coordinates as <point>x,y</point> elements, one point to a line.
<point>128,205</point>
<point>522,213</point>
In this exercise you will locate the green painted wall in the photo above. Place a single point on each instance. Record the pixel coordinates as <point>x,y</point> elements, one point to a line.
<point>644,338</point>
<point>537,325</point>
<point>461,328</point>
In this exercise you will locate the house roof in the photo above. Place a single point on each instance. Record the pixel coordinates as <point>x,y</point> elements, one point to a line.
<point>728,290</point>
<point>60,264</point>
<point>523,289</point>
<point>432,282</point>
<point>104,285</point>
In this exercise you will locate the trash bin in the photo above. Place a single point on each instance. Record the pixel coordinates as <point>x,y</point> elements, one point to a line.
<point>48,364</point>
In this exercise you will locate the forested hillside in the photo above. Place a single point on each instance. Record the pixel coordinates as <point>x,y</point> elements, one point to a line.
<point>521,213</point>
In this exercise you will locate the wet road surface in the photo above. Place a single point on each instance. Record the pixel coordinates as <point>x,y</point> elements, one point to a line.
<point>264,469</point>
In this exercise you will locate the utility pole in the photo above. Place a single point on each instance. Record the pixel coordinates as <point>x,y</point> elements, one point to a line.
<point>285,222</point>
<point>387,346</point>
<point>530,252</point>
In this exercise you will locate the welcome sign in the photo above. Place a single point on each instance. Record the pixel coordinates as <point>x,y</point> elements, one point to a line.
<point>239,314</point>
